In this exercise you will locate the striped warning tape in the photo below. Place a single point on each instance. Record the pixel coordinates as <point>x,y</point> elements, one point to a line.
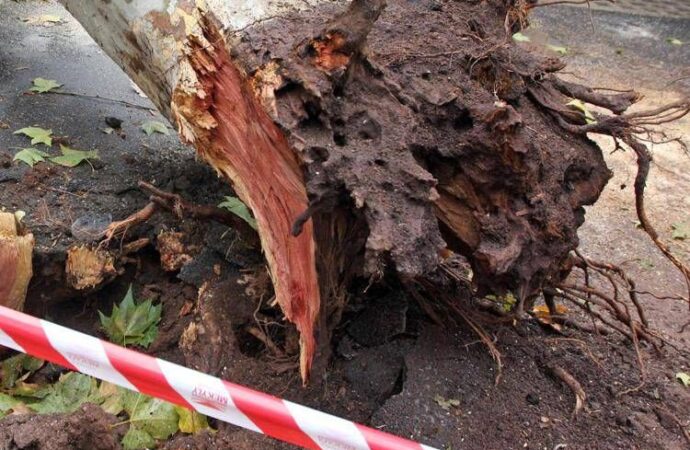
<point>208,395</point>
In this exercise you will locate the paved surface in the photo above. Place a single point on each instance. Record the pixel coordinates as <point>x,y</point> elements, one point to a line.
<point>662,8</point>
<point>624,51</point>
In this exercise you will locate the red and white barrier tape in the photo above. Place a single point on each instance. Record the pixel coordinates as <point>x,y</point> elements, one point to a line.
<point>208,395</point>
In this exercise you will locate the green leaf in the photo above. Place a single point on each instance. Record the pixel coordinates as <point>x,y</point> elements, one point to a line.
<point>132,324</point>
<point>674,41</point>
<point>559,49</point>
<point>582,107</point>
<point>41,85</point>
<point>37,135</point>
<point>7,403</point>
<point>18,367</point>
<point>191,422</point>
<point>68,394</point>
<point>446,403</point>
<point>156,417</point>
<point>72,158</point>
<point>680,231</point>
<point>30,156</point>
<point>113,398</point>
<point>137,439</point>
<point>683,378</point>
<point>508,302</point>
<point>235,206</point>
<point>519,37</point>
<point>153,126</point>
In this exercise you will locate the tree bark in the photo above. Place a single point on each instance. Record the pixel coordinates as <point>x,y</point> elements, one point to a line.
<point>368,147</point>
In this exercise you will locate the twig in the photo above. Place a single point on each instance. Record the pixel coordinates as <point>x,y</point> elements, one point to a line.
<point>182,208</point>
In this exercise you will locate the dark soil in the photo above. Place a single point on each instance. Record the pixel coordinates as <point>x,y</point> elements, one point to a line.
<point>392,367</point>
<point>89,427</point>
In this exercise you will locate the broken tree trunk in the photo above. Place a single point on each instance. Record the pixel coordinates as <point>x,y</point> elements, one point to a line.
<point>16,250</point>
<point>368,138</point>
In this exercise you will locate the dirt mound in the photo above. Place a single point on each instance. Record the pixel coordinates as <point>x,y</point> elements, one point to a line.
<point>89,428</point>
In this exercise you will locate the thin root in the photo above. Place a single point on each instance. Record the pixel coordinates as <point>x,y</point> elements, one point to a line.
<point>574,385</point>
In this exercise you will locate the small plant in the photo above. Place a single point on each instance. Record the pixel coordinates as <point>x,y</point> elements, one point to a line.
<point>131,323</point>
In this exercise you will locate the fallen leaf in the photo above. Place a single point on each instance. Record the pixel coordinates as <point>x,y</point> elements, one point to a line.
<point>137,439</point>
<point>131,323</point>
<point>17,367</point>
<point>684,378</point>
<point>156,417</point>
<point>37,135</point>
<point>674,41</point>
<point>446,403</point>
<point>519,37</point>
<point>41,85</point>
<point>72,158</point>
<point>191,422</point>
<point>113,398</point>
<point>7,404</point>
<point>44,19</point>
<point>68,394</point>
<point>153,126</point>
<point>30,156</point>
<point>235,206</point>
<point>680,231</point>
<point>559,49</point>
<point>582,107</point>
<point>4,125</point>
<point>543,315</point>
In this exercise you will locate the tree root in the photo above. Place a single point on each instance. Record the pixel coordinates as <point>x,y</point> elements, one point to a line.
<point>119,228</point>
<point>181,208</point>
<point>574,385</point>
<point>626,128</point>
<point>612,310</point>
<point>458,310</point>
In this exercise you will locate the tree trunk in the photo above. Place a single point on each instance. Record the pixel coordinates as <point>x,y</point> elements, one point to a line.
<point>367,145</point>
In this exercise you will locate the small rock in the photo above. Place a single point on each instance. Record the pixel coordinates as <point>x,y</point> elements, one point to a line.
<point>113,122</point>
<point>532,399</point>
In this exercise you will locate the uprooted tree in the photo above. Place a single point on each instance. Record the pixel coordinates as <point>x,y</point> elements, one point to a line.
<point>370,139</point>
